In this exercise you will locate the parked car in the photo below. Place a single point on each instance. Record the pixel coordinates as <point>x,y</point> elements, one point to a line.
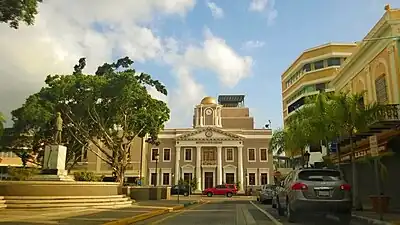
<point>266,193</point>
<point>314,191</point>
<point>225,189</point>
<point>183,190</point>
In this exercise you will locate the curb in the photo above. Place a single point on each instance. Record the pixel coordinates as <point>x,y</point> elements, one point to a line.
<point>371,221</point>
<point>145,216</point>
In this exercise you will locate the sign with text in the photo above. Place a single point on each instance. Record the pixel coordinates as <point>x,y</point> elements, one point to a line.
<point>373,145</point>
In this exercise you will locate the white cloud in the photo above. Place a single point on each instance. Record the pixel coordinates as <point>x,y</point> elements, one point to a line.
<point>248,45</point>
<point>267,6</point>
<point>67,30</point>
<point>216,11</point>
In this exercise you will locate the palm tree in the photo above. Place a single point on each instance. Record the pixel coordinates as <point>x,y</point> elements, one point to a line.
<point>277,144</point>
<point>350,115</point>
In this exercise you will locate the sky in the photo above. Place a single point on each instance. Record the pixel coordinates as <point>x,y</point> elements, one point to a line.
<point>196,48</point>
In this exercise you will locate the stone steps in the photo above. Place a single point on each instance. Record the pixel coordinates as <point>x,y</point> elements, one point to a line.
<point>36,202</point>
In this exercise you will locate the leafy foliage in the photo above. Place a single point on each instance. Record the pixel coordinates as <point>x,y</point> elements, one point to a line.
<point>2,121</point>
<point>17,173</point>
<point>106,111</point>
<point>87,176</point>
<point>15,11</point>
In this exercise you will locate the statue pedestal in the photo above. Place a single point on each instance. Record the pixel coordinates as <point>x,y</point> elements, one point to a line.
<point>54,164</point>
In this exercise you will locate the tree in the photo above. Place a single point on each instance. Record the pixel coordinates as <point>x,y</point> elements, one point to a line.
<point>353,116</point>
<point>107,110</point>
<point>277,144</point>
<point>2,121</point>
<point>13,12</point>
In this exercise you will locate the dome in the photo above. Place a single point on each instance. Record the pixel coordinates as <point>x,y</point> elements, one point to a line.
<point>208,101</point>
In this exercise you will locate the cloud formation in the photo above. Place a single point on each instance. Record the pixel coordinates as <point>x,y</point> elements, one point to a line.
<point>265,6</point>
<point>248,45</point>
<point>216,11</point>
<point>68,30</point>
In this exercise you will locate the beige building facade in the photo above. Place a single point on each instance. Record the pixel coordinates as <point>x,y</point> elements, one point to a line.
<point>221,147</point>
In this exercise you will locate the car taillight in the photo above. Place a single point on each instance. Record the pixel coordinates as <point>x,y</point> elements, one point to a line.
<point>345,187</point>
<point>299,186</point>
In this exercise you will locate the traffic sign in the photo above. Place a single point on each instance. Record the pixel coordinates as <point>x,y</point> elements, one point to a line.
<point>373,145</point>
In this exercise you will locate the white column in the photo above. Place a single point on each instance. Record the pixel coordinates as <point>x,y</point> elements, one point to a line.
<point>393,55</point>
<point>198,167</point>
<point>240,167</point>
<point>220,116</point>
<point>196,117</point>
<point>177,159</point>
<point>201,117</point>
<point>219,165</point>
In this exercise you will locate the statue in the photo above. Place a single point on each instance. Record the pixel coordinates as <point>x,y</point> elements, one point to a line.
<point>58,127</point>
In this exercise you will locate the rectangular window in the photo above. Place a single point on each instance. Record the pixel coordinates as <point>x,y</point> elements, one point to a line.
<point>165,179</point>
<point>334,61</point>
<point>188,154</point>
<point>153,179</point>
<point>319,65</point>
<point>229,155</point>
<point>154,154</point>
<point>230,178</point>
<point>264,178</point>
<point>252,179</point>
<point>208,155</point>
<point>307,68</point>
<point>263,154</point>
<point>187,177</point>
<point>167,154</point>
<point>381,90</point>
<point>251,154</point>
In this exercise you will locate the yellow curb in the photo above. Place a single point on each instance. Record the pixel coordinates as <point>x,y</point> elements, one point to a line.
<point>138,218</point>
<point>179,207</point>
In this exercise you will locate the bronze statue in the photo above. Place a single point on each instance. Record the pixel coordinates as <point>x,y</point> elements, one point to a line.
<point>58,126</point>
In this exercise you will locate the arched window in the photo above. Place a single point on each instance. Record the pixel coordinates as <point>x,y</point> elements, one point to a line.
<point>381,90</point>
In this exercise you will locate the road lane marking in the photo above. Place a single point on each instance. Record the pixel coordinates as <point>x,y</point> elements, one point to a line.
<point>248,217</point>
<point>271,217</point>
<point>176,214</point>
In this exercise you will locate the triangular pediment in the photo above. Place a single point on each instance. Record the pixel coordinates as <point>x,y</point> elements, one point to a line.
<point>209,133</point>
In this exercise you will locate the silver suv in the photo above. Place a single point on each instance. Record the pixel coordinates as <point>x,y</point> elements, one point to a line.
<point>314,191</point>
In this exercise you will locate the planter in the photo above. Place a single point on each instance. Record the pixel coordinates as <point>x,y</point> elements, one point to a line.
<point>380,203</point>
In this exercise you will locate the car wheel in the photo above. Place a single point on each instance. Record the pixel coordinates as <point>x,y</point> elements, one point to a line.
<point>291,217</point>
<point>186,193</point>
<point>209,194</point>
<point>229,194</point>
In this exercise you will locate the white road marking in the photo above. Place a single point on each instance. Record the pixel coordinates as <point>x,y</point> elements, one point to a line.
<point>272,218</point>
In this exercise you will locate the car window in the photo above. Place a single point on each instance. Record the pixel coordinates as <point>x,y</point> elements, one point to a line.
<point>320,175</point>
<point>220,186</point>
<point>230,186</point>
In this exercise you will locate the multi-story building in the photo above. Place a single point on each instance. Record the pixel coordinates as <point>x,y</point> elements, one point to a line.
<point>222,147</point>
<point>309,75</point>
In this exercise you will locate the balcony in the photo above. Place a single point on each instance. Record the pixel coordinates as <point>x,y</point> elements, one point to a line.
<point>209,162</point>
<point>386,118</point>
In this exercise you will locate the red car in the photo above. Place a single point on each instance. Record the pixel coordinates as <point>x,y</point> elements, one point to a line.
<point>224,189</point>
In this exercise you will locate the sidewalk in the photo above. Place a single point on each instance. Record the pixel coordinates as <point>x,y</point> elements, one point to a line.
<point>371,217</point>
<point>91,216</point>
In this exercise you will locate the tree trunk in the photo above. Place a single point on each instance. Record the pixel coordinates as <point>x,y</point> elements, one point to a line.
<point>356,200</point>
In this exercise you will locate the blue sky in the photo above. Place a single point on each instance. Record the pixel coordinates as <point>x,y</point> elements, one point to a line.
<point>298,26</point>
<point>239,48</point>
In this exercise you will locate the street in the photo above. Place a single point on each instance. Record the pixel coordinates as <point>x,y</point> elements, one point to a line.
<point>221,212</point>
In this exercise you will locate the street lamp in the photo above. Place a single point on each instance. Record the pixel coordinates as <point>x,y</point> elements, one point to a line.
<point>306,157</point>
<point>156,156</point>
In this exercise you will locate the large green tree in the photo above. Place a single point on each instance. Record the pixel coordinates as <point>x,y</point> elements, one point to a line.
<point>13,12</point>
<point>2,121</point>
<point>106,110</point>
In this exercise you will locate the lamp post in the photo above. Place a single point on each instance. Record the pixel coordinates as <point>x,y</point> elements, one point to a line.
<point>156,156</point>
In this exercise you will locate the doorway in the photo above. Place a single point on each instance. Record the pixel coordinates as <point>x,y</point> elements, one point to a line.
<point>208,180</point>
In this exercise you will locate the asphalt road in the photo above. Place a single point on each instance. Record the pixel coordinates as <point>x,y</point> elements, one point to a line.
<point>228,212</point>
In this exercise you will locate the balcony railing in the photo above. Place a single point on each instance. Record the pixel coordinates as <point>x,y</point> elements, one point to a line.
<point>209,162</point>
<point>386,113</point>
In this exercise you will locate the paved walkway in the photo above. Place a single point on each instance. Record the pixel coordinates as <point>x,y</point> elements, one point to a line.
<point>391,218</point>
<point>81,216</point>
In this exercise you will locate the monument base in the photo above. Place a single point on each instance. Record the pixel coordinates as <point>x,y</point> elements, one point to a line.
<point>52,177</point>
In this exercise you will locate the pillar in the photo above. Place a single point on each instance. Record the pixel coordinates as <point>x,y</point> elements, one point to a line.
<point>198,167</point>
<point>240,167</point>
<point>219,165</point>
<point>177,161</point>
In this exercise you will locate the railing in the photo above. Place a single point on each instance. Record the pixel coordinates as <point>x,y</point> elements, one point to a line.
<point>386,113</point>
<point>208,162</point>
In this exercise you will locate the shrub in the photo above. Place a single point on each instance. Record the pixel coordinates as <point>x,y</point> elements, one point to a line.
<point>87,176</point>
<point>21,173</point>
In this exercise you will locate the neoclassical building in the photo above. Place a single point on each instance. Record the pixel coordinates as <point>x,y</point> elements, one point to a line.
<point>222,147</point>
